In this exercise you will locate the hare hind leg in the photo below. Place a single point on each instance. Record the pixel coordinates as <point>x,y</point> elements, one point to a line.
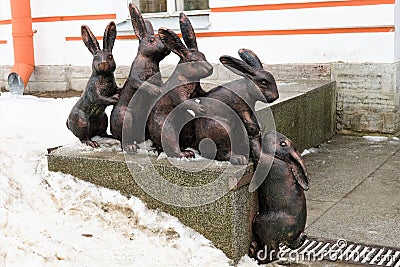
<point>79,124</point>
<point>170,141</point>
<point>116,121</point>
<point>297,242</point>
<point>99,126</point>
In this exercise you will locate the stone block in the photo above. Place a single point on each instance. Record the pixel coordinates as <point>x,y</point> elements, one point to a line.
<point>49,86</point>
<point>367,95</point>
<point>364,122</point>
<point>284,72</point>
<point>78,84</point>
<point>166,70</point>
<point>397,66</point>
<point>309,118</point>
<point>378,77</point>
<point>214,75</point>
<point>122,72</point>
<point>225,221</point>
<point>120,82</point>
<point>209,84</point>
<point>223,74</point>
<point>4,72</point>
<point>80,71</point>
<point>373,102</point>
<point>361,123</point>
<point>49,74</point>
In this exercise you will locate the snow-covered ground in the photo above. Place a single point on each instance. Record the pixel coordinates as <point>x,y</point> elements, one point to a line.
<point>53,219</point>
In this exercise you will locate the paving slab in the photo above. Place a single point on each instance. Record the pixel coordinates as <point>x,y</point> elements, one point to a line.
<point>332,176</point>
<point>360,180</point>
<point>358,223</point>
<point>316,209</point>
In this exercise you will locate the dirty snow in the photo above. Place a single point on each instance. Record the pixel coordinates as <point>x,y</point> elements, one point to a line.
<point>308,151</point>
<point>375,138</point>
<point>53,219</point>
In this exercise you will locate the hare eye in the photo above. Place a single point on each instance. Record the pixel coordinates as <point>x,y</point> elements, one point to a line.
<point>152,39</point>
<point>264,82</point>
<point>110,56</point>
<point>282,144</point>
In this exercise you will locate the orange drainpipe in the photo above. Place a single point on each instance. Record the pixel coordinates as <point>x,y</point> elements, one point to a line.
<point>24,61</point>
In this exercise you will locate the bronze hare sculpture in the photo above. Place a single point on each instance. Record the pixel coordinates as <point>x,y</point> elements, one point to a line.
<point>87,118</point>
<point>145,67</point>
<point>163,129</point>
<point>282,203</point>
<point>240,96</point>
<point>187,137</point>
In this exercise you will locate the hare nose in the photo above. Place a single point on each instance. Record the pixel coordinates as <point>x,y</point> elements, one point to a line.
<point>103,66</point>
<point>276,95</point>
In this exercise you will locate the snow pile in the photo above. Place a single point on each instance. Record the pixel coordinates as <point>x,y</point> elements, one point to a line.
<point>52,219</point>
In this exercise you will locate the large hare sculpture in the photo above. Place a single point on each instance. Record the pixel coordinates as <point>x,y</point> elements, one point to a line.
<point>240,96</point>
<point>178,89</point>
<point>145,67</point>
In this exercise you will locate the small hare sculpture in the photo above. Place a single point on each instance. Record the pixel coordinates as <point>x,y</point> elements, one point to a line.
<point>282,203</point>
<point>87,118</point>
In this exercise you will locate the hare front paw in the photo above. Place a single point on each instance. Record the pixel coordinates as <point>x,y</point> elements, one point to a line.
<point>187,154</point>
<point>91,143</point>
<point>238,160</point>
<point>114,99</point>
<point>131,148</point>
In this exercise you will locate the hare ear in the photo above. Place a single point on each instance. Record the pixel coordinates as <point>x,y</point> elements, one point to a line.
<point>237,66</point>
<point>110,34</point>
<point>250,58</point>
<point>89,39</point>
<point>138,24</point>
<point>187,31</point>
<point>298,168</point>
<point>149,27</point>
<point>172,42</point>
<point>300,176</point>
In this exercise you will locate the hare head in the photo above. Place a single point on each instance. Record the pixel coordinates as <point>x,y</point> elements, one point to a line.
<point>103,60</point>
<point>193,63</point>
<point>251,67</point>
<point>281,147</point>
<point>149,44</point>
